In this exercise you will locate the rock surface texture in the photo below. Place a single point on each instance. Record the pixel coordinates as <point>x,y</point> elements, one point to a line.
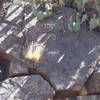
<point>68,59</point>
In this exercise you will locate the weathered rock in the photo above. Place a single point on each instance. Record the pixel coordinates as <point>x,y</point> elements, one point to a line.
<point>93,84</point>
<point>26,88</point>
<point>64,51</point>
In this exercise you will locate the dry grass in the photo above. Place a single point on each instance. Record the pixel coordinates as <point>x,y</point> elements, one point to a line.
<point>34,52</point>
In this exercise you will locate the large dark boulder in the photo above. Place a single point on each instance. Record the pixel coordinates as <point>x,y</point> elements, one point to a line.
<point>64,54</point>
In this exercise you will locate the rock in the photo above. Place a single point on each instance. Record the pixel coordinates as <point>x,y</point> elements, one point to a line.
<point>64,51</point>
<point>92,85</point>
<point>32,87</point>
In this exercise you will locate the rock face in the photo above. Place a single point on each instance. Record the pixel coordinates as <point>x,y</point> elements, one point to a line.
<point>24,88</point>
<point>63,55</point>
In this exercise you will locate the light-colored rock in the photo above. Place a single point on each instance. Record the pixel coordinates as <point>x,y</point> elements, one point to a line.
<point>26,88</point>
